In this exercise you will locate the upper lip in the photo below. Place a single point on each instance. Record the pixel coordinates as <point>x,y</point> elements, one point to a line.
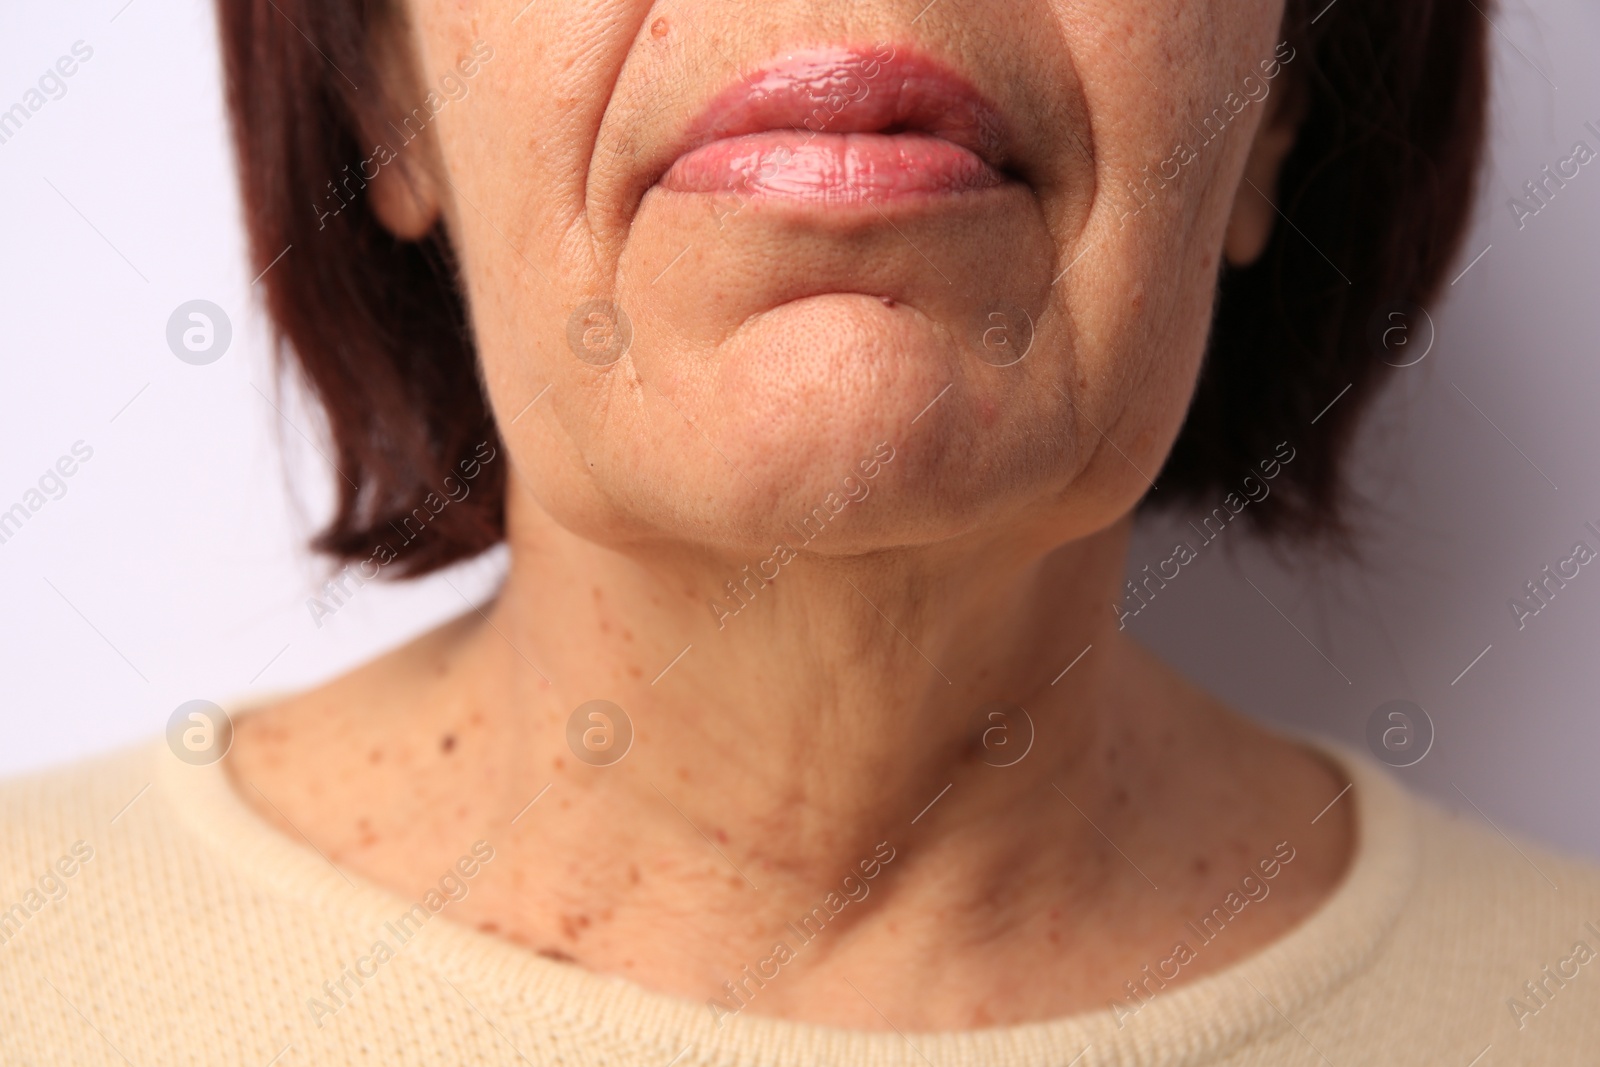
<point>834,90</point>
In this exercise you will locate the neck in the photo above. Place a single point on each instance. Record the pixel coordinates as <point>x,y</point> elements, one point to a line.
<point>829,704</point>
<point>959,732</point>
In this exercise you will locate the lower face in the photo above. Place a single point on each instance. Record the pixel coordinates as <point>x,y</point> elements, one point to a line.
<point>750,247</point>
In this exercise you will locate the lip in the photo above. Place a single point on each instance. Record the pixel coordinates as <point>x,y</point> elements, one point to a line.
<point>844,125</point>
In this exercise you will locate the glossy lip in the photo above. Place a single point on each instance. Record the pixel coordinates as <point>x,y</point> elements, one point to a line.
<point>842,124</point>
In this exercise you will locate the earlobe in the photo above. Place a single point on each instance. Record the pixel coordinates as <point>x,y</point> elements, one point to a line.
<point>405,199</point>
<point>405,192</point>
<point>1254,214</point>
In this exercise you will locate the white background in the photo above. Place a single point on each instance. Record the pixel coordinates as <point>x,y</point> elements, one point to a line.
<point>173,568</point>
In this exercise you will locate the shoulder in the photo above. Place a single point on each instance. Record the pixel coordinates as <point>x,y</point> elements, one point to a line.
<point>1496,941</point>
<point>54,823</point>
<point>1466,856</point>
<point>1499,892</point>
<point>126,884</point>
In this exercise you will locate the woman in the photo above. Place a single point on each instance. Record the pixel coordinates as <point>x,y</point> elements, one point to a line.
<point>811,360</point>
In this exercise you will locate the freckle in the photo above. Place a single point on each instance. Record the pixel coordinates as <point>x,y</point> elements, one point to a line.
<point>627,634</point>
<point>363,825</point>
<point>633,874</point>
<point>376,756</point>
<point>722,835</point>
<point>1120,796</point>
<point>476,719</point>
<point>605,627</point>
<point>1055,937</point>
<point>566,805</point>
<point>488,928</point>
<point>557,955</point>
<point>597,592</point>
<point>683,774</point>
<point>559,763</point>
<point>447,743</point>
<point>627,964</point>
<point>461,812</point>
<point>1201,866</point>
<point>635,672</point>
<point>658,29</point>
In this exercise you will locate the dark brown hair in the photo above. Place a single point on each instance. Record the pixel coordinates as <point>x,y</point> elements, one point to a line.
<point>1377,192</point>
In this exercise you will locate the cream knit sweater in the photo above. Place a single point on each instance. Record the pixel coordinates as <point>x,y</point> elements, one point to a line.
<point>154,919</point>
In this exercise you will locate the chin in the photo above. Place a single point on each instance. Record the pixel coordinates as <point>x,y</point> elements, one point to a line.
<point>875,492</point>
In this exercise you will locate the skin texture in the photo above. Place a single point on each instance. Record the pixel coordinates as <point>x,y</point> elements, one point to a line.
<point>783,347</point>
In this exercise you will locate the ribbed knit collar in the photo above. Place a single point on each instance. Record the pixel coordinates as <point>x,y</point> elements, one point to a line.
<point>517,989</point>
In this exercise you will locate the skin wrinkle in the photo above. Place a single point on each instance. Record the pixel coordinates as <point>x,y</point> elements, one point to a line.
<point>837,705</point>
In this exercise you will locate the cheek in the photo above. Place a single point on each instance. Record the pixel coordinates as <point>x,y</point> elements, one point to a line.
<point>702,424</point>
<point>1142,295</point>
<point>1143,315</point>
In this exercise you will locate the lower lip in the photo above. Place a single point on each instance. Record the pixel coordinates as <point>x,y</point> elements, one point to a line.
<point>831,168</point>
